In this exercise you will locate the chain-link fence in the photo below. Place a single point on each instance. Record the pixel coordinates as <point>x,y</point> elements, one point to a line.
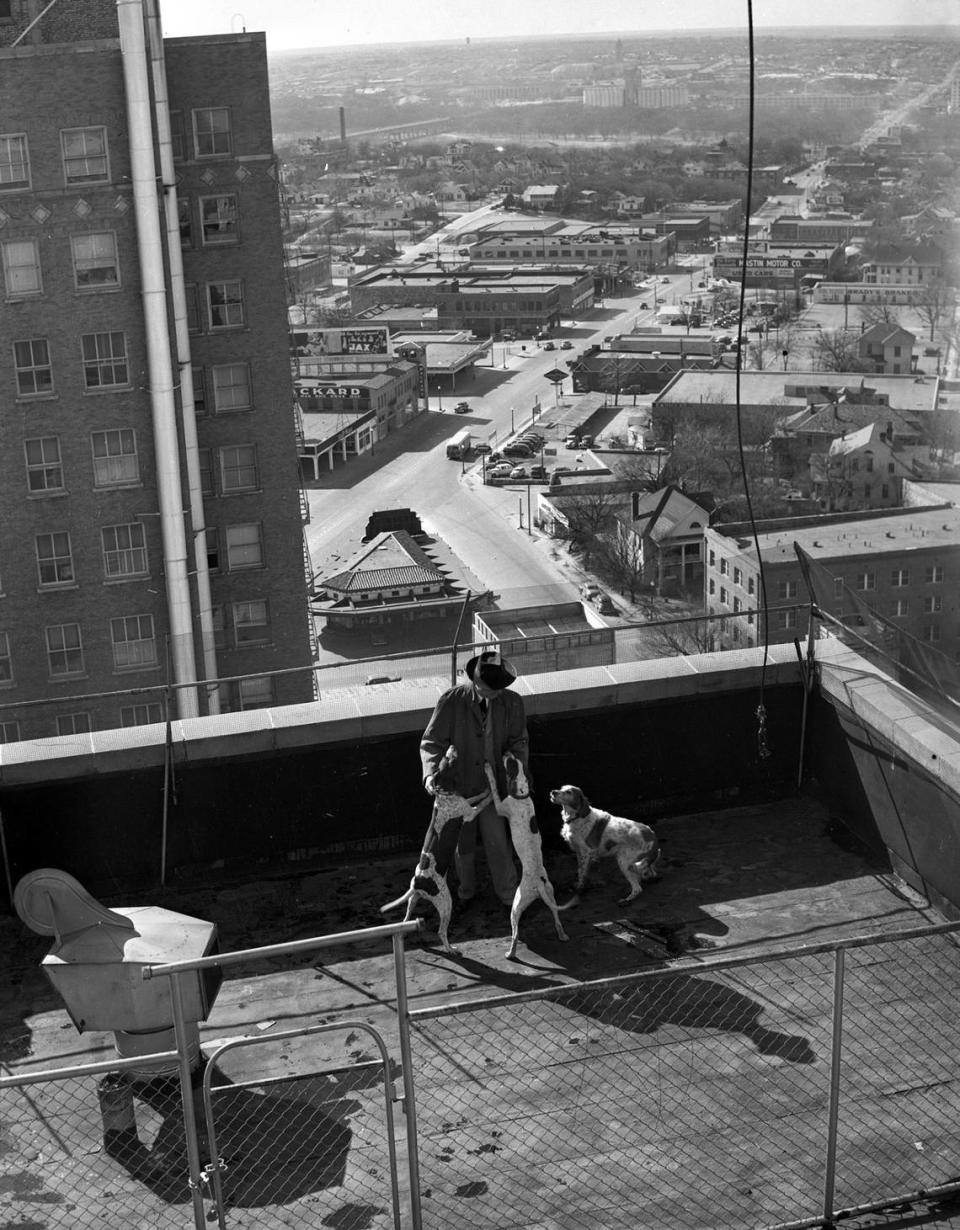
<point>746,1094</point>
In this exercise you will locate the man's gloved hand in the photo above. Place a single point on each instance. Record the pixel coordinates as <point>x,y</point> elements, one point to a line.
<point>429,786</point>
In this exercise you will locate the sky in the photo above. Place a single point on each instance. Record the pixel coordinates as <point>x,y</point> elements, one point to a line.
<point>302,24</point>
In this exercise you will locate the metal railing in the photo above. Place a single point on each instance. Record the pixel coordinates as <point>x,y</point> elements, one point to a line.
<point>776,1091</point>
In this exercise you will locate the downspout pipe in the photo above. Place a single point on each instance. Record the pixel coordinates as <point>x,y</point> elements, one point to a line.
<point>178,297</point>
<point>130,17</point>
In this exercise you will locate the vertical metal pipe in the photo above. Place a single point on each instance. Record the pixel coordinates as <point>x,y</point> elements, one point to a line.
<point>178,297</point>
<point>159,362</point>
<point>808,677</point>
<point>830,1161</point>
<point>406,1064</point>
<point>186,1098</point>
<point>456,639</point>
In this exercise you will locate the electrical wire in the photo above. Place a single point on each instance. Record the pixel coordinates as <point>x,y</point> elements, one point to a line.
<point>763,747</point>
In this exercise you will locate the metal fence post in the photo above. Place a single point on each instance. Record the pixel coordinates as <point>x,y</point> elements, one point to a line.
<point>406,1064</point>
<point>186,1097</point>
<point>830,1162</point>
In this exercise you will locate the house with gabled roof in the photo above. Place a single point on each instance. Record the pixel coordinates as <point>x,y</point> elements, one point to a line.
<point>888,348</point>
<point>669,526</point>
<point>895,265</point>
<point>393,579</point>
<point>865,469</point>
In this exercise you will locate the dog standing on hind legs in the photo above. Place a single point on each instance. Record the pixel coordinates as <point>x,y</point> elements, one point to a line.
<point>593,834</point>
<point>518,811</point>
<point>429,881</point>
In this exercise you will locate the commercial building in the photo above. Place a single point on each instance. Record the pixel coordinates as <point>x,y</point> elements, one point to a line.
<point>571,243</point>
<point>904,564</point>
<point>152,519</point>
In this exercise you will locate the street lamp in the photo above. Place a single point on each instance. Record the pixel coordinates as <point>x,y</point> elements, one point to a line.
<point>440,396</point>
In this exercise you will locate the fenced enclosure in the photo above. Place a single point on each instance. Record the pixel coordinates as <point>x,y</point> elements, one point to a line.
<point>781,1090</point>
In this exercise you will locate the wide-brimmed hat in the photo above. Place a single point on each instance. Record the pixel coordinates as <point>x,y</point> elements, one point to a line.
<point>494,669</point>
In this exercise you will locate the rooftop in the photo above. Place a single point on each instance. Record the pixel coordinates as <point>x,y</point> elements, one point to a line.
<point>770,388</point>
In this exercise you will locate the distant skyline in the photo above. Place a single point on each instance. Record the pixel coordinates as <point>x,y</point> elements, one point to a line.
<point>304,24</point>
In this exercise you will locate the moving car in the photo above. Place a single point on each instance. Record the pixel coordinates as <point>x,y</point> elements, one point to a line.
<point>549,345</point>
<point>567,345</point>
<point>462,407</point>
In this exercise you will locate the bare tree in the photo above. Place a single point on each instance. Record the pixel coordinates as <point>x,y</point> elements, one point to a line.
<point>683,639</point>
<point>878,314</point>
<point>621,548</point>
<point>940,301</point>
<point>836,350</point>
<point>589,516</point>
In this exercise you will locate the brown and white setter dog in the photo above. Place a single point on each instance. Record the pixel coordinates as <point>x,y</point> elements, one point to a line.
<point>429,883</point>
<point>518,811</point>
<point>593,834</point>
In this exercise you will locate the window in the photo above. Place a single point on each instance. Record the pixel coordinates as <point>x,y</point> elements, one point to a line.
<point>787,589</point>
<point>866,580</point>
<point>54,559</point>
<point>251,623</point>
<point>211,130</point>
<point>219,628</point>
<point>176,135</point>
<point>737,605</point>
<point>205,464</point>
<point>218,219</point>
<point>185,219</point>
<point>9,731</point>
<point>104,359</point>
<point>724,567</point>
<point>213,550</point>
<point>14,161</point>
<point>64,649</point>
<point>868,465</point>
<point>231,388</point>
<point>134,643</point>
<point>932,603</point>
<point>192,307</point>
<point>6,661</point>
<point>225,301</point>
<point>95,262</point>
<point>931,632</point>
<point>899,577</point>
<point>84,155</point>
<point>44,465</point>
<point>933,574</point>
<point>73,723</point>
<point>115,460</point>
<point>885,491</point>
<point>199,392</point>
<point>723,594</point>
<point>238,468</point>
<point>31,359</point>
<point>244,546</point>
<point>712,586</point>
<point>124,550</point>
<point>141,715</point>
<point>21,268</point>
<point>256,692</point>
<point>751,584</point>
<point>786,619</point>
<point>866,491</point>
<point>737,576</point>
<point>900,607</point>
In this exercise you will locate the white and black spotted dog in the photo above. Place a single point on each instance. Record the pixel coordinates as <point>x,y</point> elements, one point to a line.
<point>593,834</point>
<point>429,882</point>
<point>518,811</point>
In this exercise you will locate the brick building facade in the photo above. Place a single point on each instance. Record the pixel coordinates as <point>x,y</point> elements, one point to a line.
<point>107,479</point>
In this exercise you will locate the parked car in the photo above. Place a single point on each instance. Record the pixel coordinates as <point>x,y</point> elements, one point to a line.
<point>549,345</point>
<point>533,441</point>
<point>644,308</point>
<point>572,441</point>
<point>586,441</point>
<point>518,450</point>
<point>589,591</point>
<point>604,604</point>
<point>502,470</point>
<point>518,472</point>
<point>538,472</point>
<point>462,407</point>
<point>383,679</point>
<point>566,345</point>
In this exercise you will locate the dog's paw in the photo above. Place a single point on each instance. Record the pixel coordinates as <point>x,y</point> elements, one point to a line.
<point>629,897</point>
<point>574,900</point>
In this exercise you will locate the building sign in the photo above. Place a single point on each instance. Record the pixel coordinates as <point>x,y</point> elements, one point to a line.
<point>771,266</point>
<point>373,342</point>
<point>416,354</point>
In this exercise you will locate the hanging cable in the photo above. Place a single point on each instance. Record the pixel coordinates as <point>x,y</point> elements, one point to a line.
<point>763,748</point>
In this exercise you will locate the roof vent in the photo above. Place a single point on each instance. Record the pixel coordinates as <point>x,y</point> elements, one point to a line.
<point>891,534</point>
